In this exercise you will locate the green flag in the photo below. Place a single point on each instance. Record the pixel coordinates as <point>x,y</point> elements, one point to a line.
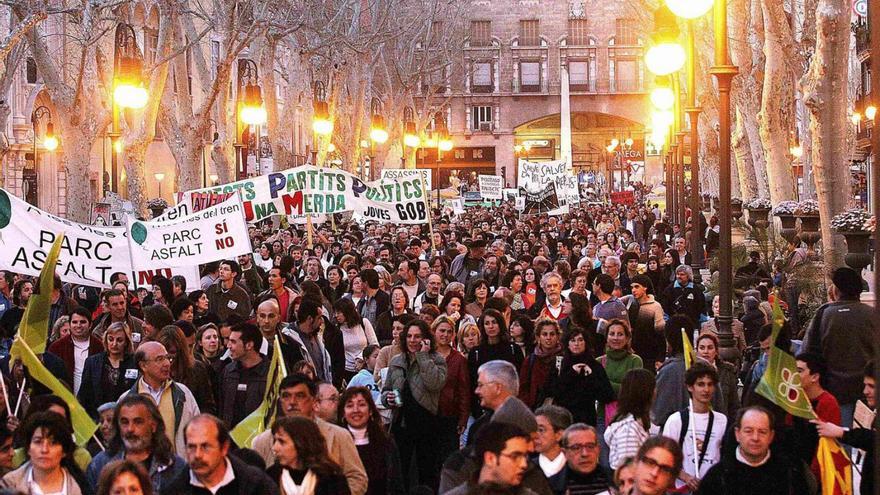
<point>781,383</point>
<point>83,426</point>
<point>34,327</point>
<point>262,418</point>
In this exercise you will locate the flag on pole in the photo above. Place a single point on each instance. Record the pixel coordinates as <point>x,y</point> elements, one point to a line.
<point>262,418</point>
<point>781,383</point>
<point>689,355</point>
<point>835,468</point>
<point>83,426</point>
<point>34,327</point>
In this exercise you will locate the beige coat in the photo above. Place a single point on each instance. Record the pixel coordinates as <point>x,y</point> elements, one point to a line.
<point>18,481</point>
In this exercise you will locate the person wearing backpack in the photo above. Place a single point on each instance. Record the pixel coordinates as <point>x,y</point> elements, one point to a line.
<point>698,429</point>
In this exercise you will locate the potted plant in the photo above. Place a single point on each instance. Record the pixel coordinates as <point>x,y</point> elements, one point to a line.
<point>736,208</point>
<point>157,206</point>
<point>759,208</point>
<point>808,212</point>
<point>856,225</point>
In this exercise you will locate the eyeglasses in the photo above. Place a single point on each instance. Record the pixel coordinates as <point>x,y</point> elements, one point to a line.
<point>161,359</point>
<point>580,447</point>
<point>330,399</point>
<point>651,463</point>
<point>482,385</point>
<point>516,456</point>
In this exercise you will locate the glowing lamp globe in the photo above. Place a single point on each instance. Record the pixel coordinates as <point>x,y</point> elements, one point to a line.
<point>856,118</point>
<point>662,119</point>
<point>50,143</point>
<point>323,127</point>
<point>378,135</point>
<point>871,112</point>
<point>796,151</point>
<point>690,9</point>
<point>130,95</point>
<point>253,115</point>
<point>665,58</point>
<point>411,140</point>
<point>445,145</point>
<point>663,98</point>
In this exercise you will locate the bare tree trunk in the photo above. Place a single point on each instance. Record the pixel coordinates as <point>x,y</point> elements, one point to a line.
<point>743,155</point>
<point>825,95</point>
<point>777,101</point>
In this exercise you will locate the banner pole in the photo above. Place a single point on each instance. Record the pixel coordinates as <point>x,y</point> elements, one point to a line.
<point>309,231</point>
<point>427,202</point>
<point>20,394</point>
<point>5,394</point>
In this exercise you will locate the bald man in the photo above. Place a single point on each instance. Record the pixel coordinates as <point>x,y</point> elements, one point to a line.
<point>271,326</point>
<point>174,400</point>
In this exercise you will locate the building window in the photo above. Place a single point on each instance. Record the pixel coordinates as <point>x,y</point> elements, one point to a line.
<point>626,75</point>
<point>215,57</point>
<point>481,33</point>
<point>578,32</point>
<point>481,118</point>
<point>865,70</point>
<point>459,154</point>
<point>434,82</point>
<point>482,78</point>
<point>478,153</point>
<point>31,70</point>
<point>626,32</point>
<point>579,75</point>
<point>151,43</point>
<point>530,76</point>
<point>528,33</point>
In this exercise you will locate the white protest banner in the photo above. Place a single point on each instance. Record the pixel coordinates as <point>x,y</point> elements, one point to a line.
<point>543,201</point>
<point>407,173</point>
<point>490,186</point>
<point>314,191</point>
<point>89,254</point>
<point>458,206</point>
<point>536,176</point>
<point>510,194</point>
<point>216,233</point>
<point>520,202</point>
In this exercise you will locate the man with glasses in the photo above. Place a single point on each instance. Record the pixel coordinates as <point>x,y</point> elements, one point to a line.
<point>658,462</point>
<point>752,467</point>
<point>502,453</point>
<point>582,473</point>
<point>328,401</point>
<point>174,400</point>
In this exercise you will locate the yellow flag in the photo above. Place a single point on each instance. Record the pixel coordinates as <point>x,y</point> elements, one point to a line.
<point>262,418</point>
<point>689,355</point>
<point>83,426</point>
<point>835,468</point>
<point>34,327</point>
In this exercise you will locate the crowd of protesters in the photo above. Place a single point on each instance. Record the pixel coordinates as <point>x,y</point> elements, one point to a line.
<point>485,353</point>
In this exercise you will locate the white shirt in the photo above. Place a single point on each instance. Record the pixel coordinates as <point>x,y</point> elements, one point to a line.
<point>156,393</point>
<point>354,340</point>
<point>700,422</point>
<point>35,488</point>
<point>228,478</point>
<point>80,353</point>
<point>551,467</point>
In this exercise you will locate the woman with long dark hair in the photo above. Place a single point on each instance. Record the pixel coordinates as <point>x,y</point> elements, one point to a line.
<point>654,271</point>
<point>412,388</point>
<point>494,344</point>
<point>513,280</point>
<point>376,448</point>
<point>357,333</point>
<point>522,333</point>
<point>478,294</point>
<point>581,381</point>
<point>302,465</point>
<point>632,423</point>
<point>399,306</point>
<point>618,359</point>
<point>197,376</point>
<point>531,287</point>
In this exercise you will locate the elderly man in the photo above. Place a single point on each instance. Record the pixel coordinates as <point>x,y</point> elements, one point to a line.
<point>552,308</point>
<point>497,387</point>
<point>582,473</point>
<point>298,397</point>
<point>116,308</point>
<point>174,400</point>
<point>211,469</point>
<point>139,437</point>
<point>469,265</point>
<point>431,294</point>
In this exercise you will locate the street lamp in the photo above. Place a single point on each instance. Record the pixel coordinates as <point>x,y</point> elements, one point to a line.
<point>250,111</point>
<point>159,176</point>
<point>129,90</point>
<point>871,112</point>
<point>690,9</point>
<point>50,141</point>
<point>666,55</point>
<point>378,131</point>
<point>662,96</point>
<point>322,124</point>
<point>214,178</point>
<point>410,138</point>
<point>443,143</point>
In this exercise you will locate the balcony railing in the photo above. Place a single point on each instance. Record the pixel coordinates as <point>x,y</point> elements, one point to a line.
<point>863,37</point>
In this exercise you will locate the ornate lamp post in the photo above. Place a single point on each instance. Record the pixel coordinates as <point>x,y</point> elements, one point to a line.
<point>249,102</point>
<point>128,90</point>
<point>50,143</point>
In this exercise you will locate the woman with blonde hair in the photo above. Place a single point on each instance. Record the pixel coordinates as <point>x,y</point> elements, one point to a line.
<point>108,374</point>
<point>468,337</point>
<point>60,329</point>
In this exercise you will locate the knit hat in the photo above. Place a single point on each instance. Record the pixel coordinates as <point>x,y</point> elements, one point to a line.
<point>847,281</point>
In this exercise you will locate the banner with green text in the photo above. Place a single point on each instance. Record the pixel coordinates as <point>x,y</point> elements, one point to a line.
<point>310,190</point>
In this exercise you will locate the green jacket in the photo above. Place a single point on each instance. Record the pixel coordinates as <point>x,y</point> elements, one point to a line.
<point>425,376</point>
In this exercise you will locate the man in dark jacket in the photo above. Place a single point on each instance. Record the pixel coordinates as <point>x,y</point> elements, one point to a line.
<point>76,347</point>
<point>684,296</point>
<point>212,471</point>
<point>468,266</point>
<point>582,472</point>
<point>243,381</point>
<point>226,296</point>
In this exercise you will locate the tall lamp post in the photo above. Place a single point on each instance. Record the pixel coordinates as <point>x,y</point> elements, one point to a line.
<point>322,124</point>
<point>128,90</point>
<point>250,111</point>
<point>378,131</point>
<point>410,136</point>
<point>444,144</point>
<point>724,73</point>
<point>50,140</point>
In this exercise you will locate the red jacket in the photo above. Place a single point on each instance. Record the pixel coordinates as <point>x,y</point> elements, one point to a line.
<point>455,398</point>
<point>63,348</point>
<point>534,374</point>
